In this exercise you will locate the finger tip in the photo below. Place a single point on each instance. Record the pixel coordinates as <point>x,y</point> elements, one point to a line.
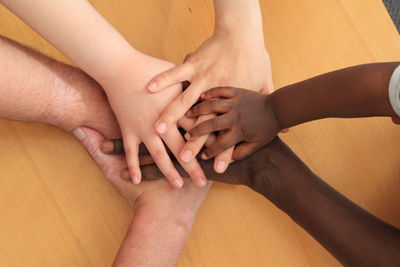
<point>106,147</point>
<point>201,182</point>
<point>220,166</point>
<point>152,86</point>
<point>178,183</point>
<point>161,127</point>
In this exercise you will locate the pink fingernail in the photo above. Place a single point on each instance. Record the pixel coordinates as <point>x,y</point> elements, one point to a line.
<point>220,166</point>
<point>187,136</point>
<point>201,182</point>
<point>178,183</point>
<point>79,133</point>
<point>152,86</point>
<point>135,179</point>
<point>187,156</point>
<point>161,127</point>
<point>203,156</point>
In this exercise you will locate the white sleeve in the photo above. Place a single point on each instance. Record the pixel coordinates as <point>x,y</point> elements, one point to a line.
<point>394,90</point>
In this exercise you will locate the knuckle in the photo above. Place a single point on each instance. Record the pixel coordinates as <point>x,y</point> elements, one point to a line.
<point>223,145</point>
<point>132,167</point>
<point>157,154</point>
<point>209,153</point>
<point>92,148</point>
<point>215,124</point>
<point>214,103</point>
<point>171,174</point>
<point>187,99</point>
<point>195,173</point>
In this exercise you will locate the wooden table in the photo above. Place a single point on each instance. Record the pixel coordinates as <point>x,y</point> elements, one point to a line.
<point>56,209</point>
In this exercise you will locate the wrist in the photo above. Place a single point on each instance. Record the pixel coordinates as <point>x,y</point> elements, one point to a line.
<point>75,95</point>
<point>131,66</point>
<point>272,103</point>
<point>176,208</point>
<point>281,176</point>
<point>271,115</point>
<point>238,18</point>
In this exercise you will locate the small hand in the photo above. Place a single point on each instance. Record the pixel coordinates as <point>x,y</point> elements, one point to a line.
<point>220,61</point>
<point>245,117</point>
<point>137,111</point>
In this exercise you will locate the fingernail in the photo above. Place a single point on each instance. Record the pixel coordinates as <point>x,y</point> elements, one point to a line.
<point>187,156</point>
<point>106,147</point>
<point>152,86</point>
<point>135,179</point>
<point>201,182</point>
<point>161,127</point>
<point>178,183</point>
<point>79,133</point>
<point>202,95</point>
<point>203,156</point>
<point>187,136</point>
<point>220,166</point>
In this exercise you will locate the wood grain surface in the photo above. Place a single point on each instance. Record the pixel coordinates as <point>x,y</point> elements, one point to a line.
<point>57,209</point>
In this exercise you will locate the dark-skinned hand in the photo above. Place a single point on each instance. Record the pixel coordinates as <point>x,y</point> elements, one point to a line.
<point>249,172</point>
<point>245,118</point>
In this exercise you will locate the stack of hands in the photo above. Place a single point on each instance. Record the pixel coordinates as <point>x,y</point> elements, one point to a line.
<point>144,104</point>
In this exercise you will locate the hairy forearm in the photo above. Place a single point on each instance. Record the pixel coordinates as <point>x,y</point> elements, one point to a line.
<point>35,88</point>
<point>79,31</point>
<point>351,234</point>
<point>160,227</point>
<point>360,91</point>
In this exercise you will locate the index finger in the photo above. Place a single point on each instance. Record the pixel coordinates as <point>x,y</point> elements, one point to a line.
<point>175,142</point>
<point>163,161</point>
<point>177,108</point>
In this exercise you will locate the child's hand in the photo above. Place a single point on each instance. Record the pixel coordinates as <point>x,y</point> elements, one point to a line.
<point>245,116</point>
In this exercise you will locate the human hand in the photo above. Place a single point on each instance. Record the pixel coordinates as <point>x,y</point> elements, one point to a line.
<point>80,101</point>
<point>246,117</point>
<point>260,171</point>
<point>219,61</point>
<point>137,111</point>
<point>113,163</point>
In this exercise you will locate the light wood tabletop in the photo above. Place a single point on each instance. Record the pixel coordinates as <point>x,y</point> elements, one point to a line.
<point>57,209</point>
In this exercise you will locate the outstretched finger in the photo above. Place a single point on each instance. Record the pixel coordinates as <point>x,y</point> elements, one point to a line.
<point>216,124</point>
<point>215,105</point>
<point>186,123</point>
<point>163,161</point>
<point>175,142</point>
<point>192,147</point>
<point>221,92</point>
<point>177,108</point>
<point>224,142</point>
<point>223,160</point>
<point>170,77</point>
<point>132,158</point>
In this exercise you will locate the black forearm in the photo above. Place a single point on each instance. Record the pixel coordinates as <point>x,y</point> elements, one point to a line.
<point>360,91</point>
<point>354,236</point>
